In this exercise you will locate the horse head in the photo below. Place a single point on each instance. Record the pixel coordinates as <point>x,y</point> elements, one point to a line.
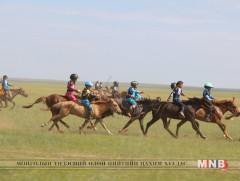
<point>228,105</point>
<point>114,106</point>
<point>22,92</point>
<point>233,107</point>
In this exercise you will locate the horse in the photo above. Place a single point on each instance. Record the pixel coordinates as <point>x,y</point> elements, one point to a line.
<point>144,107</point>
<point>222,106</point>
<point>50,101</point>
<point>13,93</point>
<point>56,98</point>
<point>63,109</point>
<point>169,110</point>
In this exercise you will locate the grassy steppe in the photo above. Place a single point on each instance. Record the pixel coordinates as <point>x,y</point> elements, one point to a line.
<point>21,137</point>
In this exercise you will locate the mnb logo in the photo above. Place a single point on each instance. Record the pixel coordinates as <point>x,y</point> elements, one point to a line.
<point>222,164</point>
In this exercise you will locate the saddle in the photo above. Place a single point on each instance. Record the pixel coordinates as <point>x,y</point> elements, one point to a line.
<point>126,106</point>
<point>207,106</point>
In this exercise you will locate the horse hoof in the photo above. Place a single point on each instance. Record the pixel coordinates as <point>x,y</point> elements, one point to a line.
<point>43,125</point>
<point>204,137</point>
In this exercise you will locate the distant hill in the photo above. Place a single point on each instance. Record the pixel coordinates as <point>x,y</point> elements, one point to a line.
<point>144,85</point>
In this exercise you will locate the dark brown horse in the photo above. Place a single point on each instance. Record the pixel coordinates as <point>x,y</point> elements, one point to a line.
<point>145,106</point>
<point>169,110</point>
<point>13,93</point>
<point>222,106</point>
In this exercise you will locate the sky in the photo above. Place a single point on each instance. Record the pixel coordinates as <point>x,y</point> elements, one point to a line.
<point>151,41</point>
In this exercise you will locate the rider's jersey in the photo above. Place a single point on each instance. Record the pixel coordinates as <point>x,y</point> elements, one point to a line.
<point>176,93</point>
<point>133,93</point>
<point>5,85</point>
<point>71,86</point>
<point>207,95</point>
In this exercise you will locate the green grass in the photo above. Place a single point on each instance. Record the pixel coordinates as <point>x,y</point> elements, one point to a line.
<point>21,137</point>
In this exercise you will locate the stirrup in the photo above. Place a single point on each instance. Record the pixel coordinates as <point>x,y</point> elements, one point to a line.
<point>182,115</point>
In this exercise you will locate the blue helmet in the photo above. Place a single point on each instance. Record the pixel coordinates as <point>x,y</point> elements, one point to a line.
<point>208,85</point>
<point>89,84</point>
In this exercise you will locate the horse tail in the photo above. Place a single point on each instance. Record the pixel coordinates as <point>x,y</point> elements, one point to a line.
<point>39,100</point>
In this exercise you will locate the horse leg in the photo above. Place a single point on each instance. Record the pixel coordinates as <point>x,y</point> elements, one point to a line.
<point>54,118</point>
<point>83,125</point>
<point>178,126</point>
<point>141,122</point>
<point>104,126</point>
<point>223,128</point>
<point>64,123</point>
<point>95,124</point>
<point>165,124</point>
<point>126,126</point>
<point>198,125</point>
<point>13,105</point>
<point>150,123</point>
<point>195,127</point>
<point>6,104</point>
<point>57,126</point>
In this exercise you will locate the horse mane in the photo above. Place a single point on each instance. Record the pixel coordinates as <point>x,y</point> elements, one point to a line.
<point>222,101</point>
<point>15,89</point>
<point>192,100</point>
<point>101,101</point>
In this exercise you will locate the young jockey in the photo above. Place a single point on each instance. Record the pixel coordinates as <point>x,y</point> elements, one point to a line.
<point>177,92</point>
<point>208,99</point>
<point>133,94</point>
<point>100,85</point>
<point>115,88</point>
<point>71,88</point>
<point>86,95</point>
<point>5,86</point>
<point>97,85</point>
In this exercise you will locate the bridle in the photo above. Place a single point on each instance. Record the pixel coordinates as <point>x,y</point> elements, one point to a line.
<point>233,111</point>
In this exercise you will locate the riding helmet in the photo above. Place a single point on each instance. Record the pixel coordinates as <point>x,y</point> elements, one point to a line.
<point>179,82</point>
<point>134,83</point>
<point>74,77</point>
<point>89,84</point>
<point>5,76</point>
<point>173,85</point>
<point>115,83</point>
<point>208,85</point>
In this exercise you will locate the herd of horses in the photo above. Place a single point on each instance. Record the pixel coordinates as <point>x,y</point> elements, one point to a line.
<point>105,106</point>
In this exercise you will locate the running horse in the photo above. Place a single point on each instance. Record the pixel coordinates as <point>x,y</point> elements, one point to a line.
<point>13,93</point>
<point>50,101</point>
<point>145,106</point>
<point>169,110</point>
<point>63,109</point>
<point>222,106</point>
<point>53,99</point>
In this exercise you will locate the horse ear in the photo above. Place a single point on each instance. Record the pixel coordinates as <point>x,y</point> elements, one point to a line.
<point>233,99</point>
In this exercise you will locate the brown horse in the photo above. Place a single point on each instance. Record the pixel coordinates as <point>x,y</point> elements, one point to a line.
<point>50,101</point>
<point>222,106</point>
<point>169,110</point>
<point>14,93</point>
<point>63,109</point>
<point>54,99</point>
